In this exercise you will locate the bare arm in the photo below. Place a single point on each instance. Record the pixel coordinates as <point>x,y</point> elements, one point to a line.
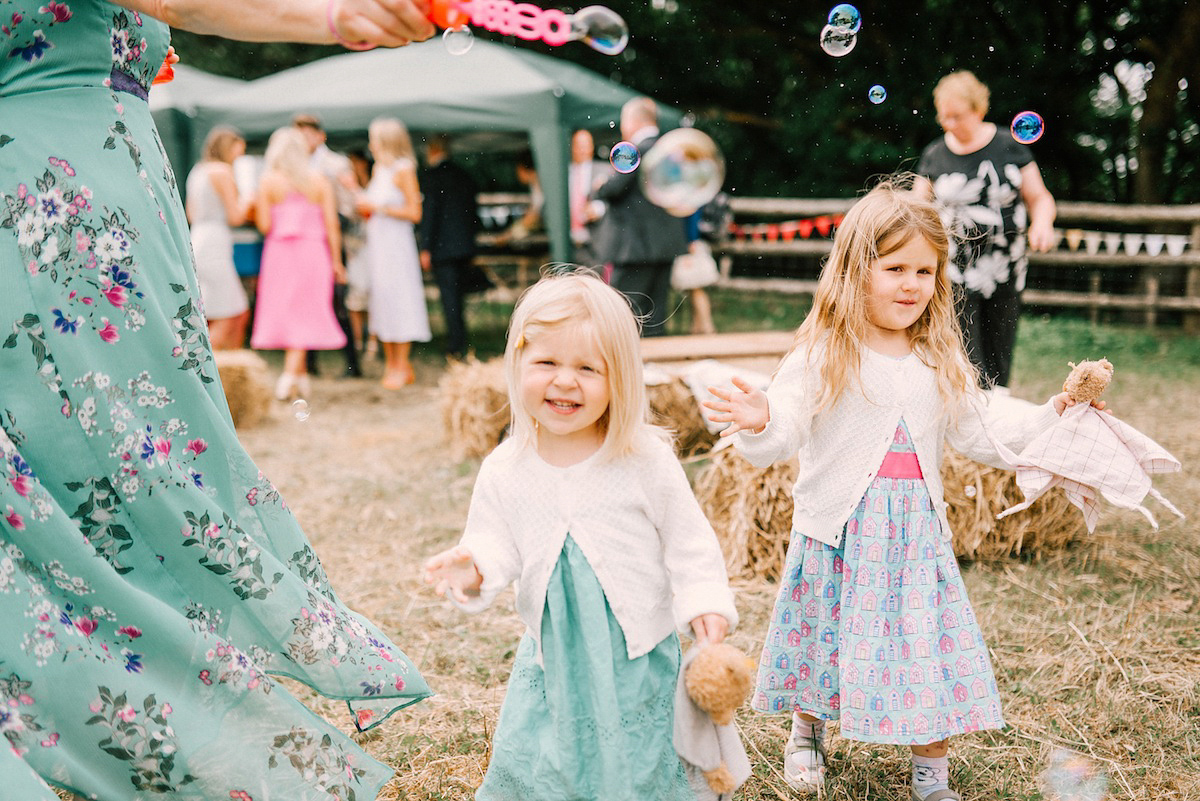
<point>389,23</point>
<point>406,182</point>
<point>333,228</point>
<point>223,183</point>
<point>262,204</point>
<point>1041,205</point>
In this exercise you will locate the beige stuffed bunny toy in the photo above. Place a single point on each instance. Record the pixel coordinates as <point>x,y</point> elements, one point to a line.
<point>714,681</point>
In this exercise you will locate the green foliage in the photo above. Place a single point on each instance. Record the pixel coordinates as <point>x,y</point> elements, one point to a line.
<point>793,121</point>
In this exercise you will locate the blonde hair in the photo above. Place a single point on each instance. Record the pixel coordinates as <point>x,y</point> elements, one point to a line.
<point>965,86</point>
<point>882,222</point>
<point>392,138</point>
<point>219,143</point>
<point>576,297</point>
<point>288,154</point>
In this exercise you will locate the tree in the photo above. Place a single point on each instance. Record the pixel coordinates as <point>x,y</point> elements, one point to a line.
<point>792,120</point>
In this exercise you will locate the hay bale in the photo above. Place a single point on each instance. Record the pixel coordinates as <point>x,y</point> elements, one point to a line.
<point>751,510</point>
<point>977,493</point>
<point>474,401</point>
<point>674,407</point>
<point>246,380</point>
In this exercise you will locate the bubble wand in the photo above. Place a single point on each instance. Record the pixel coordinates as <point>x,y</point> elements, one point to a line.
<point>598,27</point>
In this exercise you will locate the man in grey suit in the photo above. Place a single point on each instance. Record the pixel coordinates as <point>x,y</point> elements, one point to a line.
<point>640,239</point>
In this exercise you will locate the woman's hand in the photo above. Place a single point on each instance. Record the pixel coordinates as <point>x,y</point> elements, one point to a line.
<point>339,272</point>
<point>387,23</point>
<point>1041,236</point>
<point>454,571</point>
<point>710,628</point>
<point>1062,401</point>
<point>744,408</point>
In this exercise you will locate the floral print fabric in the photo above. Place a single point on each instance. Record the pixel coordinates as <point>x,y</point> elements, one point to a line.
<point>879,634</point>
<point>979,196</point>
<point>152,579</point>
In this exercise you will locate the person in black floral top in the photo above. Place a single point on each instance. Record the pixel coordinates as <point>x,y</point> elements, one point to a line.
<point>991,196</point>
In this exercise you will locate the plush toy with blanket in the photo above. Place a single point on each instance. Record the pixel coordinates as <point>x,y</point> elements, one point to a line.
<point>1090,453</point>
<point>714,680</point>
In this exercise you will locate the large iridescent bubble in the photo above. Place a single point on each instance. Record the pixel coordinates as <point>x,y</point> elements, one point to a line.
<point>458,40</point>
<point>845,16</point>
<point>837,42</point>
<point>877,94</point>
<point>601,29</point>
<point>1073,777</point>
<point>1028,127</point>
<point>683,171</point>
<point>624,157</point>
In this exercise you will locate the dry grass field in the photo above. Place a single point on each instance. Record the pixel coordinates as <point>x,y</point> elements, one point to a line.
<point>1096,650</point>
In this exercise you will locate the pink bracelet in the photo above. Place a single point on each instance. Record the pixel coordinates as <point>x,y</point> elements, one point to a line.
<point>337,37</point>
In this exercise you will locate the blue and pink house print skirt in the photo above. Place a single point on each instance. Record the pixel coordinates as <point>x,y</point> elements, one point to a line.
<point>878,634</point>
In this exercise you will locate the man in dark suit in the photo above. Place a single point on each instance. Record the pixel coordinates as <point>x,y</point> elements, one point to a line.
<point>640,239</point>
<point>449,222</point>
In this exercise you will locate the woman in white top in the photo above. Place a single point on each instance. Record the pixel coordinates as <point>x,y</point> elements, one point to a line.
<point>391,205</point>
<point>213,206</point>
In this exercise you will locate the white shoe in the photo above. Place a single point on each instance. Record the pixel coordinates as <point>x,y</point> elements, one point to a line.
<point>284,386</point>
<point>804,760</point>
<point>304,386</point>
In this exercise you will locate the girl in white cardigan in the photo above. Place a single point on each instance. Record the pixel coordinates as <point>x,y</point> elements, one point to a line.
<point>586,507</point>
<point>872,625</point>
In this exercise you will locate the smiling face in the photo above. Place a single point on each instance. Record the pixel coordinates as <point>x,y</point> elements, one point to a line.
<point>901,286</point>
<point>565,389</point>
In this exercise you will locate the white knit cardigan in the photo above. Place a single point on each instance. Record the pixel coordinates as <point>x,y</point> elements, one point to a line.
<point>841,449</point>
<point>635,519</point>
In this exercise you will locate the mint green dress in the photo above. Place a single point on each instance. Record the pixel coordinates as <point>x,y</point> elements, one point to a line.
<point>152,580</point>
<point>588,724</point>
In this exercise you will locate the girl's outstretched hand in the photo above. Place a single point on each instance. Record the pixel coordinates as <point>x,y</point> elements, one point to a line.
<point>710,628</point>
<point>744,408</point>
<point>1063,401</point>
<point>454,570</point>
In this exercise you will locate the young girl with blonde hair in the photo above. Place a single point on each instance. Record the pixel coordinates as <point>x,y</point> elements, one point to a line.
<point>302,258</point>
<point>872,626</point>
<point>586,506</point>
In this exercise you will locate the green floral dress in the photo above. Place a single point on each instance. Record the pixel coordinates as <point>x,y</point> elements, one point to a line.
<point>152,580</point>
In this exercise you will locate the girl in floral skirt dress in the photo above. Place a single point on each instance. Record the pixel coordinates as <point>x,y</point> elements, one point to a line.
<point>872,626</point>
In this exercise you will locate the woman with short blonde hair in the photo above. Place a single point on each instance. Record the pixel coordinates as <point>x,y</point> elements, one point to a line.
<point>996,207</point>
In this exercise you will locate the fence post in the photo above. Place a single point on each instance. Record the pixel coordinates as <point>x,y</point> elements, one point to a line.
<point>1191,320</point>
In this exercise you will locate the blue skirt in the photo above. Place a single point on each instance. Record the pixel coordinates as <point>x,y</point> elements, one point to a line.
<point>592,724</point>
<point>879,634</point>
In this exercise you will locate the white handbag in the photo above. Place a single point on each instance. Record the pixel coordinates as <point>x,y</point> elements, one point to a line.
<point>694,269</point>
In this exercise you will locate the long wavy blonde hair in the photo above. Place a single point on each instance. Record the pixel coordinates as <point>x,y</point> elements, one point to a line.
<point>883,221</point>
<point>577,298</point>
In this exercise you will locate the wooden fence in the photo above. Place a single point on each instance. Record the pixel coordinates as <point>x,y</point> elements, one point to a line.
<point>1096,238</point>
<point>1157,246</point>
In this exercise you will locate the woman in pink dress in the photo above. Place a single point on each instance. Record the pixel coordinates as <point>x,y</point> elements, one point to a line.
<point>301,261</point>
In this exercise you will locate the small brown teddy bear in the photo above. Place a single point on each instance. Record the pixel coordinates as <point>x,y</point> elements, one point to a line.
<point>1088,380</point>
<point>716,680</point>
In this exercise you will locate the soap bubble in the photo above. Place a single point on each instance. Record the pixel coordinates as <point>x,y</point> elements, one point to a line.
<point>625,157</point>
<point>300,409</point>
<point>877,94</point>
<point>683,171</point>
<point>601,29</point>
<point>970,491</point>
<point>1073,777</point>
<point>458,40</point>
<point>1028,127</point>
<point>846,17</point>
<point>837,42</point>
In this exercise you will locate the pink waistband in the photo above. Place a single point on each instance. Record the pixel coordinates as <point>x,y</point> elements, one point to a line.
<point>898,464</point>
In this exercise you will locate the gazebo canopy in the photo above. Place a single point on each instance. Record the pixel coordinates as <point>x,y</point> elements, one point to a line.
<point>490,88</point>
